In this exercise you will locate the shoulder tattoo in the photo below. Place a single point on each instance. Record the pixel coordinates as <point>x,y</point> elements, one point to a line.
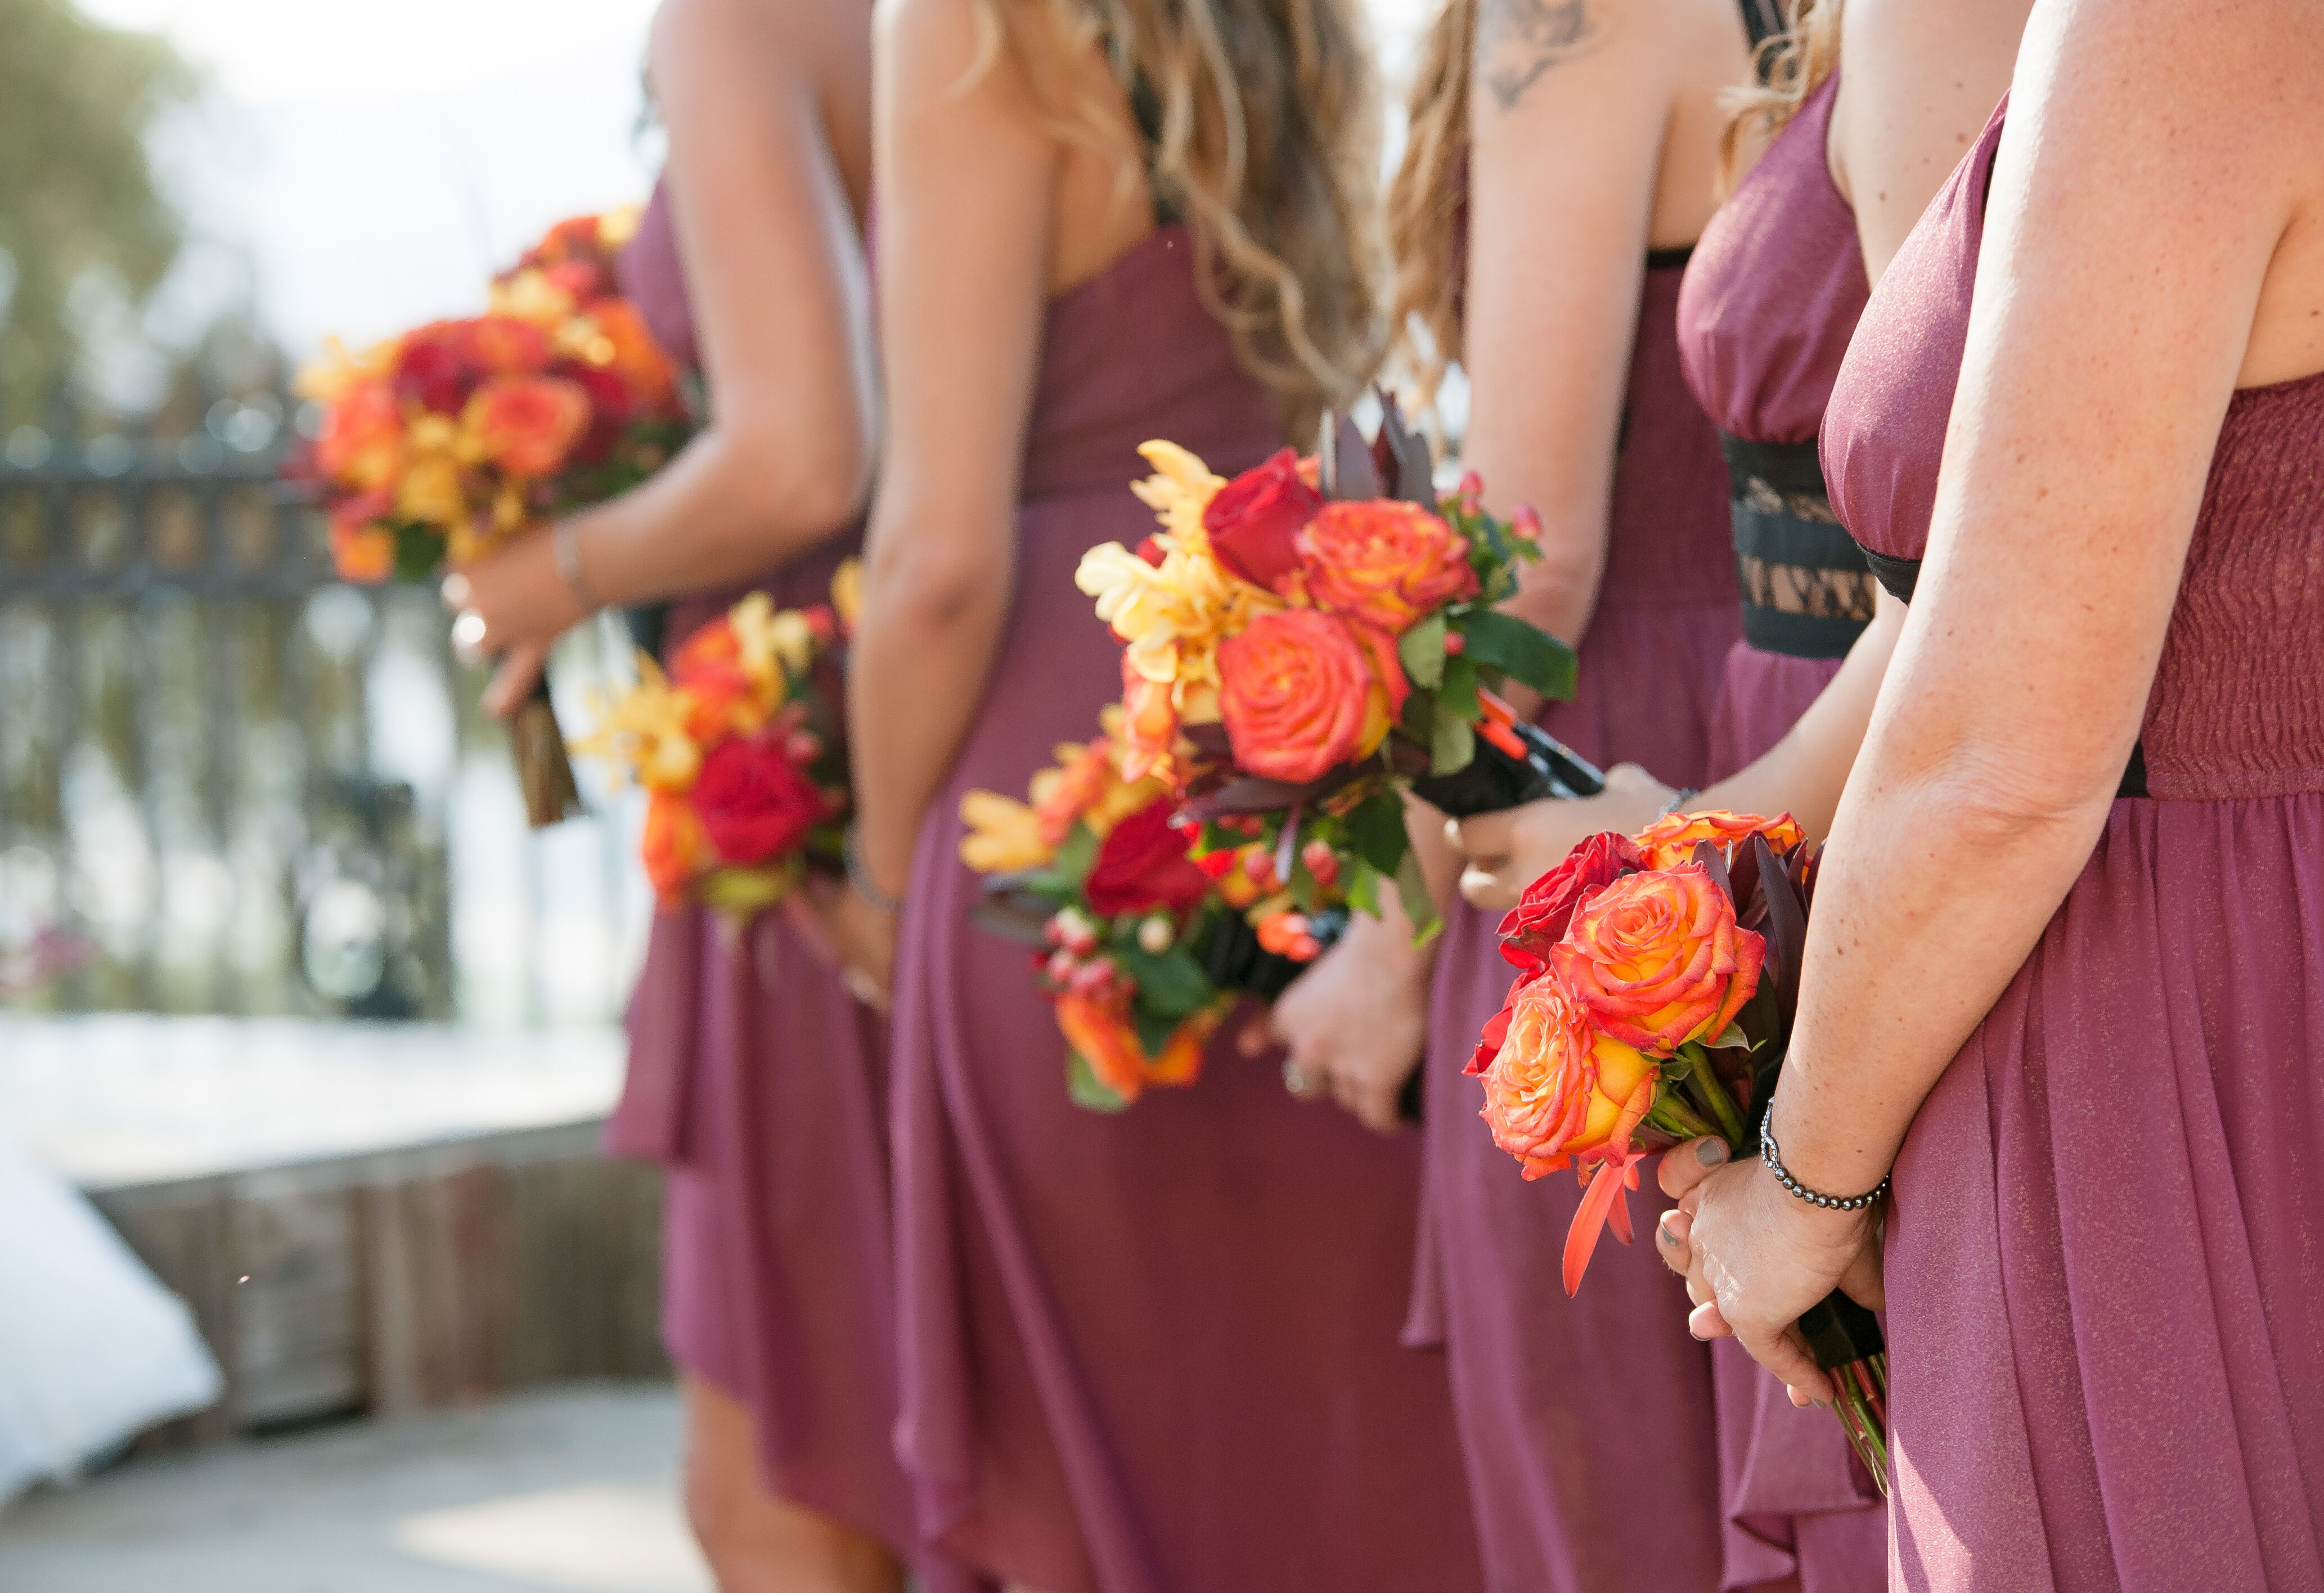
<point>1520,41</point>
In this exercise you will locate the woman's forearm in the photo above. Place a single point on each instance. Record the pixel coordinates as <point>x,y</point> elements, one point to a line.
<point>1933,893</point>
<point>907,719</point>
<point>728,508</point>
<point>1805,773</point>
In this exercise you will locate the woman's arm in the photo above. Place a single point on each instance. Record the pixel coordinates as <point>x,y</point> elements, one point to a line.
<point>1800,774</point>
<point>1570,107</point>
<point>2148,173</point>
<point>770,235</point>
<point>967,188</point>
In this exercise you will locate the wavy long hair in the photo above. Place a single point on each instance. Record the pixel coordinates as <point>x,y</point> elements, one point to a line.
<point>1790,66</point>
<point>1428,201</point>
<point>1268,146</point>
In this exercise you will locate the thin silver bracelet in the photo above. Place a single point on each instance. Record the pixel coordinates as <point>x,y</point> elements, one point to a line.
<point>1773,1160</point>
<point>565,546</point>
<point>1686,794</point>
<point>860,881</point>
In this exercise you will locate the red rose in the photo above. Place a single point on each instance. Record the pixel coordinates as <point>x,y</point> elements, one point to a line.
<point>610,408</point>
<point>1142,864</point>
<point>754,803</point>
<point>1538,921</point>
<point>1254,520</point>
<point>434,371</point>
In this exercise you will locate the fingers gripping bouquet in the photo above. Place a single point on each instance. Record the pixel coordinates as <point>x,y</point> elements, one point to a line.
<point>741,749</point>
<point>441,443</point>
<point>1142,947</point>
<point>1658,979</point>
<point>1309,640</point>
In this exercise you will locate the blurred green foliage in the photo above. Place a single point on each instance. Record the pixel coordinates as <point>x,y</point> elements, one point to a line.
<point>77,101</point>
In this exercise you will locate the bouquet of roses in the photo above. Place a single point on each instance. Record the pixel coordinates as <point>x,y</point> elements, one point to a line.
<point>1141,946</point>
<point>1658,977</point>
<point>741,749</point>
<point>1302,645</point>
<point>439,444</point>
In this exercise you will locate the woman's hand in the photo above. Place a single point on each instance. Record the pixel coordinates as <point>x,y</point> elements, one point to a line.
<point>512,606</point>
<point>1755,1256</point>
<point>518,592</point>
<point>1356,1023</point>
<point>1507,852</point>
<point>855,934</point>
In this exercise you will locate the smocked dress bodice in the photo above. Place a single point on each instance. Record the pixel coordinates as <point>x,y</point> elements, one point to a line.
<point>2237,708</point>
<point>1770,301</point>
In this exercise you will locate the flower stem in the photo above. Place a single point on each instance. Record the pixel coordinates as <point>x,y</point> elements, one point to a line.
<point>1673,1116</point>
<point>1712,1096</point>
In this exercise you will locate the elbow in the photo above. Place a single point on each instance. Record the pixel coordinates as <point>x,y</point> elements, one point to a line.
<point>2023,803</point>
<point>928,584</point>
<point>807,484</point>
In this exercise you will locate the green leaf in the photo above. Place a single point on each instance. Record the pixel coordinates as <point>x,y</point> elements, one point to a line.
<point>1087,1091</point>
<point>1171,984</point>
<point>1457,694</point>
<point>1452,746</point>
<point>419,551</point>
<point>1154,1028</point>
<point>1730,1039</point>
<point>1521,650</point>
<point>1422,649</point>
<point>1363,889</point>
<point>1075,855</point>
<point>1419,906</point>
<point>1376,832</point>
<point>741,893</point>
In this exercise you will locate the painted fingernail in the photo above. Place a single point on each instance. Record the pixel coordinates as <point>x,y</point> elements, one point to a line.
<point>1710,1152</point>
<point>1663,1232</point>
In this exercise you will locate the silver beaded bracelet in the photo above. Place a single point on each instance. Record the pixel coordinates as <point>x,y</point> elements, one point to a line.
<point>860,881</point>
<point>564,547</point>
<point>1773,1160</point>
<point>1686,794</point>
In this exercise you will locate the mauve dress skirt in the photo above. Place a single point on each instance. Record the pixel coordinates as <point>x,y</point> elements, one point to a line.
<point>1153,1352</point>
<point>2110,1223</point>
<point>1587,1423</point>
<point>761,1086</point>
<point>1798,1503</point>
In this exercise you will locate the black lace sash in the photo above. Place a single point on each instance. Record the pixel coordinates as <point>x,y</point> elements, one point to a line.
<point>1806,590</point>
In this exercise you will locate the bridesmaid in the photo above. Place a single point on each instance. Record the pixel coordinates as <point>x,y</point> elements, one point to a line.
<point>1563,157</point>
<point>2080,1009</point>
<point>1770,300</point>
<point>1156,1352</point>
<point>755,1076</point>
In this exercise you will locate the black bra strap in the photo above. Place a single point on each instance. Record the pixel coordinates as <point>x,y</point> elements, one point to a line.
<point>1147,106</point>
<point>1762,19</point>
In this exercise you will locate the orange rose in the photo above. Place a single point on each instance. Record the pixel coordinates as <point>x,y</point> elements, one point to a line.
<point>674,845</point>
<point>362,549</point>
<point>1102,1034</point>
<point>1671,839</point>
<point>1658,958</point>
<point>1298,696</point>
<point>1386,564</point>
<point>506,346</point>
<point>361,445</point>
<point>1560,1088</point>
<point>634,356</point>
<point>527,425</point>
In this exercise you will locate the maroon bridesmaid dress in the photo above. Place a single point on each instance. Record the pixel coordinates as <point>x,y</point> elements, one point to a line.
<point>1153,1352</point>
<point>1771,298</point>
<point>761,1085</point>
<point>2103,1265</point>
<point>1587,1423</point>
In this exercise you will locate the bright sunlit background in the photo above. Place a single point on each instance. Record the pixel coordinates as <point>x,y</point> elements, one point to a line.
<point>365,162</point>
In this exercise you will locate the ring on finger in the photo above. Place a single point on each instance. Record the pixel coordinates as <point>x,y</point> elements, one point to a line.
<point>1295,1078</point>
<point>468,637</point>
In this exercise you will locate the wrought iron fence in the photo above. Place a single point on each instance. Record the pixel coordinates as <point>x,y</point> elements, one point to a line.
<point>230,784</point>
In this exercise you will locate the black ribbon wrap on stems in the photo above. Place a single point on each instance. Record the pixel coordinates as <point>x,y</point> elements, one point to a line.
<point>1493,781</point>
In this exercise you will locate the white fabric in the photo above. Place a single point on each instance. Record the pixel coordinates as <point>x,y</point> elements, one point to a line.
<point>92,1348</point>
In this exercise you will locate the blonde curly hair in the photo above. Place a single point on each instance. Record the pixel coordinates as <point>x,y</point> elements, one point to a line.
<point>1267,146</point>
